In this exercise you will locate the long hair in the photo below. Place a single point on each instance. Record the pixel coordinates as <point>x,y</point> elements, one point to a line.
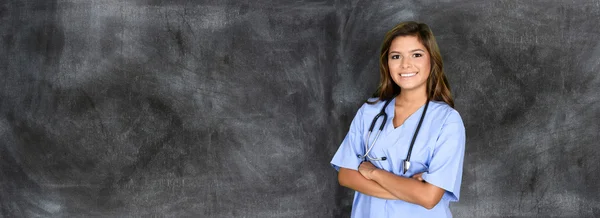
<point>438,88</point>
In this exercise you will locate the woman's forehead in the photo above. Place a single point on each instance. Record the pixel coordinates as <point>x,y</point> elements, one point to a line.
<point>406,44</point>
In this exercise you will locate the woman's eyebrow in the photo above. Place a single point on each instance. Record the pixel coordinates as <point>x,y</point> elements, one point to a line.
<point>415,50</point>
<point>411,51</point>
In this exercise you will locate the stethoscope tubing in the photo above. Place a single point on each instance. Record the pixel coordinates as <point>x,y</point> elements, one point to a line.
<point>381,113</point>
<point>406,162</point>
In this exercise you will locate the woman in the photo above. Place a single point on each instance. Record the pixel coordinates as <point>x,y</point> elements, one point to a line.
<point>415,95</point>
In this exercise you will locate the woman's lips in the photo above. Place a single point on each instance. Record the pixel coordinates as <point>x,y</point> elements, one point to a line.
<point>406,75</point>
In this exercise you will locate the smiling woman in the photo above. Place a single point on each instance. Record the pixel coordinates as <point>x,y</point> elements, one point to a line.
<point>415,168</point>
<point>407,59</point>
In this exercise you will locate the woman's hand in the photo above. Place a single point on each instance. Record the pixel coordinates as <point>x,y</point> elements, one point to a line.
<point>366,168</point>
<point>418,177</point>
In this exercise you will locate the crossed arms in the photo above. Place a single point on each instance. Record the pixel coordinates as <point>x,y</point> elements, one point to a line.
<point>379,183</point>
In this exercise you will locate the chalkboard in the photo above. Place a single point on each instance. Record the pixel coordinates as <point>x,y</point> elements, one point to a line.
<point>235,108</point>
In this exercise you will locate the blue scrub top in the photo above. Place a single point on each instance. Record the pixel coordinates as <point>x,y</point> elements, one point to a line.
<point>438,151</point>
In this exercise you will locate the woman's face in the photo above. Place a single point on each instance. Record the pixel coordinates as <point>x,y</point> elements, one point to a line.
<point>409,63</point>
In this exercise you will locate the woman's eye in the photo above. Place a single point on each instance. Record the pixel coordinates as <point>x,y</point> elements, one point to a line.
<point>395,56</point>
<point>417,55</point>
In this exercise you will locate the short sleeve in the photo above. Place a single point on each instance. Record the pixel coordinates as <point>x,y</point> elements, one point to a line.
<point>347,154</point>
<point>446,165</point>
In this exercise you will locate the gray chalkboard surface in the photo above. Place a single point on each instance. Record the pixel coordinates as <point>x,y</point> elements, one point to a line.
<point>234,108</point>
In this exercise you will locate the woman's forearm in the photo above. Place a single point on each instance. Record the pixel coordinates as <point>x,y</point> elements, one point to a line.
<point>354,180</point>
<point>407,189</point>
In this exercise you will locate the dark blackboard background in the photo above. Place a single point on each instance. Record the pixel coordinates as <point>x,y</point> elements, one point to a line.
<point>235,108</point>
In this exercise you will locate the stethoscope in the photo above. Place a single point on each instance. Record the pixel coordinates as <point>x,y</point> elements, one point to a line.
<point>406,163</point>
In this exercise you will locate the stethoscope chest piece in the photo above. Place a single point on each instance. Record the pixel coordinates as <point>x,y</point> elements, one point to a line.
<point>405,166</point>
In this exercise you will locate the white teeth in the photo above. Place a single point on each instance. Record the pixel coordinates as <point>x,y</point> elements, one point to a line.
<point>408,74</point>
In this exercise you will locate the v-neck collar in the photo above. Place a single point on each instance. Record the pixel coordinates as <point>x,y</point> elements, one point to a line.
<point>390,110</point>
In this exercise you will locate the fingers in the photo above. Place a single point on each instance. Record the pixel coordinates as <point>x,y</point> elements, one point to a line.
<point>365,169</point>
<point>363,172</point>
<point>418,177</point>
<point>367,163</point>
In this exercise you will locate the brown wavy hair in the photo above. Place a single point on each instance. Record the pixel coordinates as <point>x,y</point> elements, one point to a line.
<point>438,88</point>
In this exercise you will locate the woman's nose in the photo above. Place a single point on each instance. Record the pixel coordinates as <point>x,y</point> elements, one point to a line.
<point>405,63</point>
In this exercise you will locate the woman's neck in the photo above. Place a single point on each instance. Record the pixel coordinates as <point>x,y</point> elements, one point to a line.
<point>411,99</point>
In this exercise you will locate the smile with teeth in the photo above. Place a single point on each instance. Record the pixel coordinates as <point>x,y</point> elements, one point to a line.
<point>407,74</point>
